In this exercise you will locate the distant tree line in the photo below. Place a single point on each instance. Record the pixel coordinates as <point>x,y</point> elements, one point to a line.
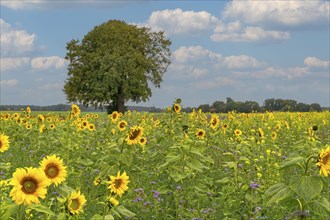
<point>217,107</point>
<point>252,106</point>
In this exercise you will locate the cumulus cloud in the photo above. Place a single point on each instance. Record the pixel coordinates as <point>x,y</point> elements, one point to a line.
<point>194,53</point>
<point>9,83</point>
<point>242,61</point>
<point>182,22</point>
<point>248,34</point>
<point>315,62</point>
<point>279,13</point>
<point>43,63</point>
<point>15,42</point>
<point>14,63</point>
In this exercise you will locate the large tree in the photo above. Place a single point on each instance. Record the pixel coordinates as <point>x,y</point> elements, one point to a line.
<point>116,62</point>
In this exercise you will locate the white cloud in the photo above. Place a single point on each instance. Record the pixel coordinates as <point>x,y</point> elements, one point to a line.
<point>315,62</point>
<point>280,13</point>
<point>9,83</point>
<point>249,34</point>
<point>15,42</point>
<point>43,63</point>
<point>22,4</point>
<point>218,81</point>
<point>182,22</point>
<point>15,63</point>
<point>194,53</point>
<point>242,61</point>
<point>274,72</point>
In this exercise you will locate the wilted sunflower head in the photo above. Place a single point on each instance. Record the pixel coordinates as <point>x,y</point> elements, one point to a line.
<point>54,169</point>
<point>76,202</point>
<point>28,185</point>
<point>324,161</point>
<point>4,142</point>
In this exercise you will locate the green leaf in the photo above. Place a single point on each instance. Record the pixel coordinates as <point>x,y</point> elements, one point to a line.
<point>61,216</point>
<point>84,161</point>
<point>291,161</point>
<point>4,166</point>
<point>109,217</point>
<point>308,187</point>
<point>196,165</point>
<point>41,208</point>
<point>125,212</point>
<point>9,208</point>
<point>223,180</point>
<point>321,206</point>
<point>170,158</point>
<point>276,193</point>
<point>177,176</point>
<point>97,217</point>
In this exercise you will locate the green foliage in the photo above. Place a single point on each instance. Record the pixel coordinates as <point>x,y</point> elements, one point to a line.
<point>115,62</point>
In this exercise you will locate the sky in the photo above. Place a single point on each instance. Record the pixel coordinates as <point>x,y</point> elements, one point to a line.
<point>246,50</point>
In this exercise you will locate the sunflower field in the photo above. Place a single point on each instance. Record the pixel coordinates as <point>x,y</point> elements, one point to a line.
<point>170,165</point>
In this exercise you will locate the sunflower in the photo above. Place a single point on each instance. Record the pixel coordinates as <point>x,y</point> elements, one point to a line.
<point>113,201</point>
<point>91,127</point>
<point>54,169</point>
<point>95,116</point>
<point>134,135</point>
<point>238,132</point>
<point>42,128</point>
<point>76,201</point>
<point>214,122</point>
<point>118,184</point>
<point>75,110</point>
<point>52,126</point>
<point>97,181</point>
<point>114,116</point>
<point>200,133</point>
<point>324,161</point>
<point>274,135</point>
<point>4,142</point>
<point>28,127</point>
<point>122,125</point>
<point>28,185</point>
<point>143,141</point>
<point>41,118</point>
<point>28,110</point>
<point>176,108</point>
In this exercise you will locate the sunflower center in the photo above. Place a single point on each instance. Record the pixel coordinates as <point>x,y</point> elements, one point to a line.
<point>121,125</point>
<point>134,134</point>
<point>0,144</point>
<point>74,204</point>
<point>29,185</point>
<point>118,183</point>
<point>326,160</point>
<point>51,171</point>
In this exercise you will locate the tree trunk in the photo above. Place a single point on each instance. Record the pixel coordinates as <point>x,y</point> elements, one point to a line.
<point>121,101</point>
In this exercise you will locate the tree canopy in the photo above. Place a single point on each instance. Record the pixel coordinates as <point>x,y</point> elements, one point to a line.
<point>116,62</point>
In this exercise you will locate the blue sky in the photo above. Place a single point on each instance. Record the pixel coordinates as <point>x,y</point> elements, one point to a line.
<point>246,50</point>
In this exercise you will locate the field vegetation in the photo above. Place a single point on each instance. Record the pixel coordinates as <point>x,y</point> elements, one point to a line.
<point>170,165</point>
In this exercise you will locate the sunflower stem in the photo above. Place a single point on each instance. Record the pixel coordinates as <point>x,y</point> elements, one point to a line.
<point>306,164</point>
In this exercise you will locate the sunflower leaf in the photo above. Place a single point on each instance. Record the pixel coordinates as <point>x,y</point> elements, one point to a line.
<point>41,208</point>
<point>308,187</point>
<point>125,212</point>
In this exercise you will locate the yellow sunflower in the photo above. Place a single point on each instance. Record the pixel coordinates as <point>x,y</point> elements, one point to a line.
<point>28,185</point>
<point>113,201</point>
<point>28,127</point>
<point>143,141</point>
<point>122,125</point>
<point>91,127</point>
<point>214,122</point>
<point>134,135</point>
<point>41,118</point>
<point>54,169</point>
<point>176,108</point>
<point>114,116</point>
<point>274,135</point>
<point>238,132</point>
<point>42,128</point>
<point>75,110</point>
<point>200,133</point>
<point>118,184</point>
<point>324,161</point>
<point>4,142</point>
<point>76,201</point>
<point>28,110</point>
